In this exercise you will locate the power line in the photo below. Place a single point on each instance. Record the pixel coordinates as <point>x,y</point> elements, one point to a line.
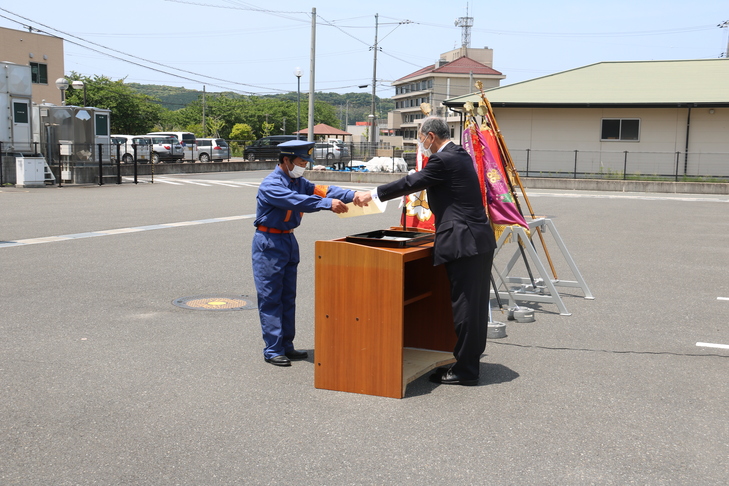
<point>133,56</point>
<point>579,34</point>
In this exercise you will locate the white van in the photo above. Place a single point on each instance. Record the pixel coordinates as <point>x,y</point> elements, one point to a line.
<point>187,140</point>
<point>126,148</point>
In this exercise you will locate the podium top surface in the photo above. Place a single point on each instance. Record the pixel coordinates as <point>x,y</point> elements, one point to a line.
<point>392,238</point>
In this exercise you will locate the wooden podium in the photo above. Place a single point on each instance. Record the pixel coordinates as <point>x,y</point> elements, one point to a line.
<point>382,317</point>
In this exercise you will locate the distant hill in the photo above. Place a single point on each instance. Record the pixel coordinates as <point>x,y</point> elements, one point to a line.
<point>351,107</point>
<point>172,97</point>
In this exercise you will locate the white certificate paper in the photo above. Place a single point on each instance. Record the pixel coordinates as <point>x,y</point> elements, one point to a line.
<point>374,207</point>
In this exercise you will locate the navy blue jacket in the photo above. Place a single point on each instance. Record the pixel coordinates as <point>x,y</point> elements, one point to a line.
<point>461,226</point>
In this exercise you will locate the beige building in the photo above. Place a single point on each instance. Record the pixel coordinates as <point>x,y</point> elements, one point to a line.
<point>43,53</point>
<point>454,74</point>
<point>641,117</point>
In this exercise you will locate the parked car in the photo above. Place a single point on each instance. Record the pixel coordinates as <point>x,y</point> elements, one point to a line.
<point>126,145</point>
<point>164,148</point>
<point>208,149</point>
<point>187,140</point>
<point>266,148</point>
<point>331,150</point>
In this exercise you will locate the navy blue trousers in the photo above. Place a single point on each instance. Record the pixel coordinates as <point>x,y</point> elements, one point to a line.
<point>470,280</point>
<point>275,265</point>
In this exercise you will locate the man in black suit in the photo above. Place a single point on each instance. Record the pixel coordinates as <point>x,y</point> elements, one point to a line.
<point>464,241</point>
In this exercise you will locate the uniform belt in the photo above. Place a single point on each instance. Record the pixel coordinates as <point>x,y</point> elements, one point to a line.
<point>275,231</point>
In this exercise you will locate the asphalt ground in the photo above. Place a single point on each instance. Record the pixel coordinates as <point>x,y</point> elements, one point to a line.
<point>104,381</point>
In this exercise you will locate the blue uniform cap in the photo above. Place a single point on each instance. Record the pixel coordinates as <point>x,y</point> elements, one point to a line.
<point>298,148</point>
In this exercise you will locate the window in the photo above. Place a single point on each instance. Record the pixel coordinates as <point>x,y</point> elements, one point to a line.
<point>102,125</point>
<point>20,112</point>
<point>620,129</point>
<point>38,73</point>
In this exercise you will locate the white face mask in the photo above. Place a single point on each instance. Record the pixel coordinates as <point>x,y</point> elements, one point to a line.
<point>296,172</point>
<point>426,152</point>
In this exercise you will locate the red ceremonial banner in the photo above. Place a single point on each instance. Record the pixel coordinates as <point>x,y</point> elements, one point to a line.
<point>417,213</point>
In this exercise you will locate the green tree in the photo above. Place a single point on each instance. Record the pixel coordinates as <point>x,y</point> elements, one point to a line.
<point>213,126</point>
<point>242,131</point>
<point>239,135</point>
<point>131,112</point>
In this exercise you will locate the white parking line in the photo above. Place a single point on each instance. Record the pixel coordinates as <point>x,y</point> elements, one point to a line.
<point>119,231</point>
<point>722,298</point>
<point>165,181</point>
<point>225,183</point>
<point>186,181</point>
<point>712,345</point>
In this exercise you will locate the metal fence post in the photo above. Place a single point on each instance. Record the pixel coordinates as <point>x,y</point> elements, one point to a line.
<point>575,173</point>
<point>134,149</point>
<point>118,163</point>
<point>625,166</point>
<point>678,156</point>
<point>528,151</point>
<point>101,168</point>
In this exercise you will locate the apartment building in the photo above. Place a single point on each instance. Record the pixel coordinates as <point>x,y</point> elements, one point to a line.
<point>43,53</point>
<point>454,74</point>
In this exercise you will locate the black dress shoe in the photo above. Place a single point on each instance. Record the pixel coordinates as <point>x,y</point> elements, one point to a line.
<point>450,378</point>
<point>279,361</point>
<point>297,355</point>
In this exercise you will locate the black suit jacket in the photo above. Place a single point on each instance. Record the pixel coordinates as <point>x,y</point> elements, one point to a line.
<point>461,225</point>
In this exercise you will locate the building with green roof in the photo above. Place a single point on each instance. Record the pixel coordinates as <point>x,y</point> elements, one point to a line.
<point>661,116</point>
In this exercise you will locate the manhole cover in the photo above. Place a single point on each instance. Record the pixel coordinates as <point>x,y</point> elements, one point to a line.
<point>216,302</point>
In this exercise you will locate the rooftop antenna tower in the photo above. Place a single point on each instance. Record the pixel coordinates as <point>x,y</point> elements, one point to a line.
<point>465,23</point>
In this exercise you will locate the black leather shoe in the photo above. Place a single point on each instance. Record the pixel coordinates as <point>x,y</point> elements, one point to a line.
<point>297,355</point>
<point>450,378</point>
<point>279,361</point>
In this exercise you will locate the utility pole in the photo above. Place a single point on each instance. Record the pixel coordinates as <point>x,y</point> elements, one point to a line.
<point>203,100</point>
<point>310,131</point>
<point>373,117</point>
<point>725,25</point>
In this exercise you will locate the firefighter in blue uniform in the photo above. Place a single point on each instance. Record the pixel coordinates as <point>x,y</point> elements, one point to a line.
<point>283,197</point>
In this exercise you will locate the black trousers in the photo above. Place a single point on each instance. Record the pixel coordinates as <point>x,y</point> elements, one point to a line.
<point>470,280</point>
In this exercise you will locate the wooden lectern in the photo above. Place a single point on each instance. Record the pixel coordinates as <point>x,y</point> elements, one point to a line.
<point>382,317</point>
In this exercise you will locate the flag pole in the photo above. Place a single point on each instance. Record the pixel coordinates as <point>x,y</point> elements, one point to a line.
<point>509,163</point>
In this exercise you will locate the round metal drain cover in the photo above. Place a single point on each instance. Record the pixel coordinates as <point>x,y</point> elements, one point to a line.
<point>216,302</point>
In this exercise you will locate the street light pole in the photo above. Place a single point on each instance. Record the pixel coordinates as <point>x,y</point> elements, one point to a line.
<point>297,73</point>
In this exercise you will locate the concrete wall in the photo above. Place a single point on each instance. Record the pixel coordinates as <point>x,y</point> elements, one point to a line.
<point>90,174</point>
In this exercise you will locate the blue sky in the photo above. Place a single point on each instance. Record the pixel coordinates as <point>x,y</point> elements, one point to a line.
<point>254,47</point>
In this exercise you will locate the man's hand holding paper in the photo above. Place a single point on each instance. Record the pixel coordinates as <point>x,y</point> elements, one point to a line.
<point>360,205</point>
